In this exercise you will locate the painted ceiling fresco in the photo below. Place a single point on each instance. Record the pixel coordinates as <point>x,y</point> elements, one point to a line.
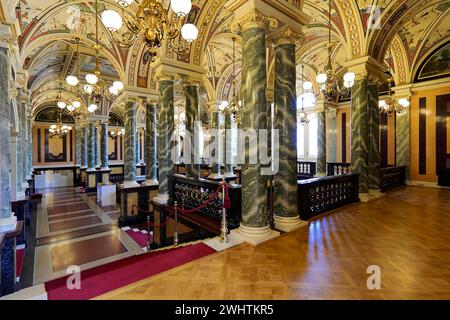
<point>404,32</point>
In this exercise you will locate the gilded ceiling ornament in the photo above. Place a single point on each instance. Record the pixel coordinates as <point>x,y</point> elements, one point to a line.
<point>286,36</point>
<point>254,19</point>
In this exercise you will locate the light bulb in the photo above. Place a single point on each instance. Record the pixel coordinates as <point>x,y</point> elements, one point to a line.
<point>112,20</point>
<point>91,79</point>
<point>189,32</point>
<point>72,80</point>
<point>113,91</point>
<point>381,103</point>
<point>349,84</point>
<point>61,104</point>
<point>321,78</point>
<point>181,7</point>
<point>70,108</point>
<point>76,104</point>
<point>118,85</point>
<point>92,108</point>
<point>404,102</point>
<point>53,126</point>
<point>307,85</point>
<point>349,77</point>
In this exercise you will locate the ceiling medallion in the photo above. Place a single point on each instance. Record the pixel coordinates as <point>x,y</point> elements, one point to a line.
<point>149,21</point>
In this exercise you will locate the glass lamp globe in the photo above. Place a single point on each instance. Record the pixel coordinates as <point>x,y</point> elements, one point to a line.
<point>349,77</point>
<point>189,32</point>
<point>124,3</point>
<point>113,91</point>
<point>53,126</point>
<point>70,108</point>
<point>112,20</point>
<point>61,104</point>
<point>382,103</point>
<point>91,78</point>
<point>321,78</point>
<point>181,7</point>
<point>76,104</point>
<point>72,80</point>
<point>307,85</point>
<point>349,84</point>
<point>118,85</point>
<point>92,108</point>
<point>404,102</point>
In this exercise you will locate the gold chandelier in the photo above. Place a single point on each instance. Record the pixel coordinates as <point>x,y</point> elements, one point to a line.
<point>328,80</point>
<point>390,105</point>
<point>151,23</point>
<point>59,129</point>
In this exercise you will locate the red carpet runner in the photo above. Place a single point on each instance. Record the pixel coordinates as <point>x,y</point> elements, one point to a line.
<point>114,275</point>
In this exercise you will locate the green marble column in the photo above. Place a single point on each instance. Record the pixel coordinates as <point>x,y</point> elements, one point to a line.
<point>215,153</point>
<point>29,147</point>
<point>151,137</point>
<point>331,134</point>
<point>5,160</point>
<point>374,138</point>
<point>229,161</point>
<point>91,146</point>
<point>130,142</point>
<point>96,147</point>
<point>78,135</point>
<point>137,148</point>
<point>84,147</point>
<point>192,110</point>
<point>104,146</point>
<point>403,140</point>
<point>321,144</point>
<point>166,129</point>
<point>360,133</point>
<point>285,98</point>
<point>254,116</point>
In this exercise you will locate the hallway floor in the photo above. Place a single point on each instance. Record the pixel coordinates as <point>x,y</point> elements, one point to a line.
<point>73,230</point>
<point>405,233</point>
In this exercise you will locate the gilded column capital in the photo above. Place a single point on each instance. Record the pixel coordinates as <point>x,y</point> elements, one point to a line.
<point>254,19</point>
<point>285,35</point>
<point>162,75</point>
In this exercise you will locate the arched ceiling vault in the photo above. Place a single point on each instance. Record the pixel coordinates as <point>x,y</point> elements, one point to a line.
<point>400,33</point>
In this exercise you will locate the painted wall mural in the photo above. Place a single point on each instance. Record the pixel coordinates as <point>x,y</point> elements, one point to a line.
<point>437,65</point>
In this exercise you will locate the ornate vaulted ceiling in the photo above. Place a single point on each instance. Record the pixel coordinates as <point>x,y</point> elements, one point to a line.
<point>405,33</point>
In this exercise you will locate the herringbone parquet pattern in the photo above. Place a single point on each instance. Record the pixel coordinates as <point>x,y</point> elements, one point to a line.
<point>406,233</point>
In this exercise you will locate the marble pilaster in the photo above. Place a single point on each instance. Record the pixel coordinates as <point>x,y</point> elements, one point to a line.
<point>91,146</point>
<point>360,133</point>
<point>130,142</point>
<point>7,221</point>
<point>151,137</point>
<point>402,134</point>
<point>104,146</point>
<point>192,115</point>
<point>215,153</point>
<point>321,143</point>
<point>331,134</point>
<point>96,147</point>
<point>78,135</point>
<point>137,148</point>
<point>83,147</point>
<point>286,214</point>
<point>166,130</point>
<point>373,160</point>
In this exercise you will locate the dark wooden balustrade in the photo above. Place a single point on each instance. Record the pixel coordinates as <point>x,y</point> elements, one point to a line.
<point>318,195</point>
<point>338,168</point>
<point>392,177</point>
<point>306,169</point>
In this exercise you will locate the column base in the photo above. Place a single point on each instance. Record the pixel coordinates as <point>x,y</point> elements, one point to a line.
<point>233,240</point>
<point>129,184</point>
<point>288,224</point>
<point>372,195</point>
<point>150,182</point>
<point>229,175</point>
<point>162,199</point>
<point>8,224</point>
<point>215,176</point>
<point>255,236</point>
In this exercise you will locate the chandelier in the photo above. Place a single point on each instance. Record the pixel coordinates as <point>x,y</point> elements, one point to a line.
<point>69,106</point>
<point>390,105</point>
<point>151,22</point>
<point>234,105</point>
<point>59,129</point>
<point>329,82</point>
<point>96,87</point>
<point>119,133</point>
<point>303,117</point>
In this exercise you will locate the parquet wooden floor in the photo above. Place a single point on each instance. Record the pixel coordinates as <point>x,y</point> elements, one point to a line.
<point>406,233</point>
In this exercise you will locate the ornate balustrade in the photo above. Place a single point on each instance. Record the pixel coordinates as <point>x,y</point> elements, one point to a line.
<point>306,169</point>
<point>392,177</point>
<point>338,168</point>
<point>318,195</point>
